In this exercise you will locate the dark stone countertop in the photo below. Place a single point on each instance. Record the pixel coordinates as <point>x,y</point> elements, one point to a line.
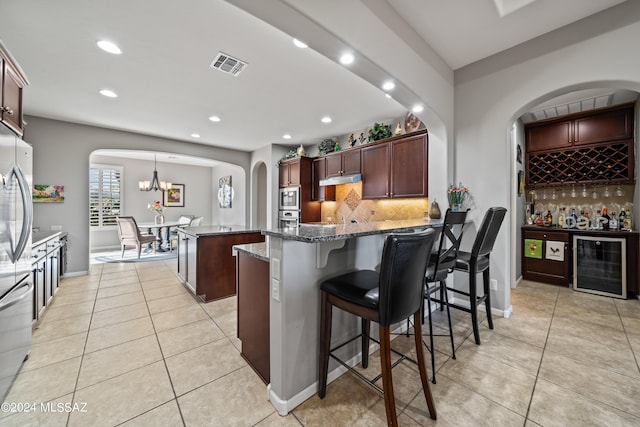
<point>212,230</point>
<point>256,250</point>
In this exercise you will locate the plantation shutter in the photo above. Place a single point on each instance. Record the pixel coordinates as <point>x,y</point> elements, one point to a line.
<point>105,203</point>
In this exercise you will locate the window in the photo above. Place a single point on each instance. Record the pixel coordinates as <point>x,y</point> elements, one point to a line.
<point>105,195</point>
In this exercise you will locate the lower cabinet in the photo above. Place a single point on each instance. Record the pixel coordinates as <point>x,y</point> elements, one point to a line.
<point>253,312</point>
<point>546,256</point>
<point>46,270</point>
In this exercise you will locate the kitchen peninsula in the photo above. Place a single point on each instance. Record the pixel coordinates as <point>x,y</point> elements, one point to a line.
<point>300,258</point>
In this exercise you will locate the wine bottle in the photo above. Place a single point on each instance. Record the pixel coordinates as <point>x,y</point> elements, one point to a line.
<point>613,222</point>
<point>605,215</point>
<point>561,218</point>
<point>621,219</point>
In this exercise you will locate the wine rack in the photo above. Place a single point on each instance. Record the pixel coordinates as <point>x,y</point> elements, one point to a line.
<point>592,164</point>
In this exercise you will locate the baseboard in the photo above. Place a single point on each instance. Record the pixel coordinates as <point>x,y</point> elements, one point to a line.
<point>74,274</point>
<point>494,311</point>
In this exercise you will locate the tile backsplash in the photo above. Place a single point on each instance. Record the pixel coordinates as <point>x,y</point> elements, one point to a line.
<point>349,204</point>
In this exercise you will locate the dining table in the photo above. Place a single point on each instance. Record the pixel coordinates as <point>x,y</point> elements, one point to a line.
<point>149,227</point>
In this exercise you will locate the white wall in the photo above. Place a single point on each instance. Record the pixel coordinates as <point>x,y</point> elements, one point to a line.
<point>134,201</point>
<point>61,156</point>
<point>236,214</point>
<point>491,94</point>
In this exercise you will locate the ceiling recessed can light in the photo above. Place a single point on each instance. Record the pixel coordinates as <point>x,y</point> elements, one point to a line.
<point>326,119</point>
<point>195,135</point>
<point>387,95</point>
<point>388,85</point>
<point>214,118</point>
<point>417,109</point>
<point>299,44</point>
<point>108,93</point>
<point>286,136</point>
<point>110,47</point>
<point>346,58</point>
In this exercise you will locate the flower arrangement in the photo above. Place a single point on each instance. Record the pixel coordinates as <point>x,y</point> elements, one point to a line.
<point>156,207</point>
<point>457,195</point>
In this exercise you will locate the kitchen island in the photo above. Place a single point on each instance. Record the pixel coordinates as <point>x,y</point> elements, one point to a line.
<point>300,258</point>
<point>205,258</point>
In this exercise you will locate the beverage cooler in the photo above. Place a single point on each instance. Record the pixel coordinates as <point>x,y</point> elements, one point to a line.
<point>599,265</point>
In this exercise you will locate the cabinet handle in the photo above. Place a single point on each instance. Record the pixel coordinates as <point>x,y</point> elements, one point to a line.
<point>7,110</point>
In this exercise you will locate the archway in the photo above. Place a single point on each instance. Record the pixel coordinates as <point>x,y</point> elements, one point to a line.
<point>259,195</point>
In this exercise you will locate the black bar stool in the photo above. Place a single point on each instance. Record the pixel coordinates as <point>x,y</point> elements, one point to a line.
<point>477,261</point>
<point>387,297</point>
<point>441,263</point>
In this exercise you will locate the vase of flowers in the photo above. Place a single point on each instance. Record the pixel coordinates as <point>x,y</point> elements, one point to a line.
<point>457,196</point>
<point>158,209</point>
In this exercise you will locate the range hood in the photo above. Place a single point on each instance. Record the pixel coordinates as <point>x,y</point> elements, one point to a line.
<point>344,179</point>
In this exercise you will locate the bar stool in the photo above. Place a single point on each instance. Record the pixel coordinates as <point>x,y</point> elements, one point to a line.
<point>477,261</point>
<point>387,297</point>
<point>441,263</point>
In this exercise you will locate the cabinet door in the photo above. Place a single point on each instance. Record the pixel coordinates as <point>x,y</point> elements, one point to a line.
<point>182,256</point>
<point>334,165</point>
<point>610,126</point>
<point>192,263</point>
<point>548,136</point>
<point>375,171</point>
<point>11,99</point>
<point>409,168</point>
<point>284,174</point>
<point>351,162</point>
<point>543,269</point>
<point>319,171</point>
<point>294,173</point>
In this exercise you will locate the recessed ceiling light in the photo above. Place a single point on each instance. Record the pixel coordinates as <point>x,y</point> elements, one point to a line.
<point>326,119</point>
<point>195,135</point>
<point>286,136</point>
<point>299,44</point>
<point>417,109</point>
<point>214,118</point>
<point>108,93</point>
<point>388,85</point>
<point>347,58</point>
<point>387,95</point>
<point>110,47</point>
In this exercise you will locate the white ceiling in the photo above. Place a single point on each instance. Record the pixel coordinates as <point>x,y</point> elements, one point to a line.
<point>167,89</point>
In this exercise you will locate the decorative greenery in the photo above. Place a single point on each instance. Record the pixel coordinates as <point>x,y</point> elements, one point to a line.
<point>457,195</point>
<point>379,131</point>
<point>326,146</point>
<point>291,154</point>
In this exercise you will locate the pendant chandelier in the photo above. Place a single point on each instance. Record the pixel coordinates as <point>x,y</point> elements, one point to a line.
<point>154,184</point>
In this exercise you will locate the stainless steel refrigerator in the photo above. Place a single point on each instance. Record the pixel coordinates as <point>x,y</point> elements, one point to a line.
<point>16,287</point>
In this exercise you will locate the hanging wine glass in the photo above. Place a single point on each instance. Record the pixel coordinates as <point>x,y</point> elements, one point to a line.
<point>619,191</point>
<point>585,193</point>
<point>544,194</point>
<point>554,195</point>
<point>564,193</point>
<point>594,195</point>
<point>573,191</point>
<point>606,192</point>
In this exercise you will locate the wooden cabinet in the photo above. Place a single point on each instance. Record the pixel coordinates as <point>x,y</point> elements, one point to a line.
<point>535,263</point>
<point>46,271</point>
<point>345,162</point>
<point>397,168</point>
<point>588,148</point>
<point>12,81</point>
<point>253,312</point>
<point>318,172</point>
<point>205,260</point>
<point>291,172</point>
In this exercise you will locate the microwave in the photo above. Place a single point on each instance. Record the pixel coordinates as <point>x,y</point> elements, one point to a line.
<point>289,199</point>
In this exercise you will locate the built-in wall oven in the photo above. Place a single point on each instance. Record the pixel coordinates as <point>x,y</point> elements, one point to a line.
<point>599,265</point>
<point>288,219</point>
<point>289,199</point>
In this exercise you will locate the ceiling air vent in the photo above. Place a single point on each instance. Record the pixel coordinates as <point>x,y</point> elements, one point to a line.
<point>228,64</point>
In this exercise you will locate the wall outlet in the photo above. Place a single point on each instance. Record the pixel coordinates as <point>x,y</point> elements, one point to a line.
<point>493,284</point>
<point>56,228</point>
<point>275,290</point>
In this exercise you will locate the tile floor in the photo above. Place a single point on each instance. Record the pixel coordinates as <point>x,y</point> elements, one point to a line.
<point>128,345</point>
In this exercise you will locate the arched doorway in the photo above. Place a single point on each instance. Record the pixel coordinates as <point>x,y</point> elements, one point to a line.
<point>259,196</point>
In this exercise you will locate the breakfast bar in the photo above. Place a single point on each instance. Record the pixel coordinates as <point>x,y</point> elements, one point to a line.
<point>300,258</point>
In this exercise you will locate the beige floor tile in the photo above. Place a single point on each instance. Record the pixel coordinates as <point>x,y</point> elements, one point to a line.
<point>119,281</point>
<point>228,323</point>
<point>47,331</point>
<point>165,291</point>
<point>202,365</point>
<point>530,326</point>
<point>46,383</point>
<point>628,308</point>
<point>67,288</point>
<point>171,303</point>
<point>119,315</point>
<point>236,342</point>
<point>158,273</point>
<point>116,334</point>
<point>118,290</point>
<point>54,351</point>
<point>595,383</point>
<point>160,283</point>
<point>567,327</point>
<point>108,276</point>
<point>113,267</point>
<point>74,298</point>
<point>615,359</point>
<point>485,376</point>
<point>457,405</point>
<point>167,415</point>
<point>110,362</point>
<point>175,318</point>
<point>225,401</point>
<point>42,414</point>
<point>187,337</point>
<point>60,312</point>
<point>555,406</point>
<point>118,301</point>
<point>631,326</point>
<point>276,420</point>
<point>533,302</point>
<point>121,398</point>
<point>221,307</point>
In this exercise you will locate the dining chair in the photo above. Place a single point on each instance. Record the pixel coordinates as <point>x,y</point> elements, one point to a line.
<point>195,222</point>
<point>130,235</point>
<point>386,297</point>
<point>183,221</point>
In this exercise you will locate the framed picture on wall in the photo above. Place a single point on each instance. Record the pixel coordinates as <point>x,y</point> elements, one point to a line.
<point>174,196</point>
